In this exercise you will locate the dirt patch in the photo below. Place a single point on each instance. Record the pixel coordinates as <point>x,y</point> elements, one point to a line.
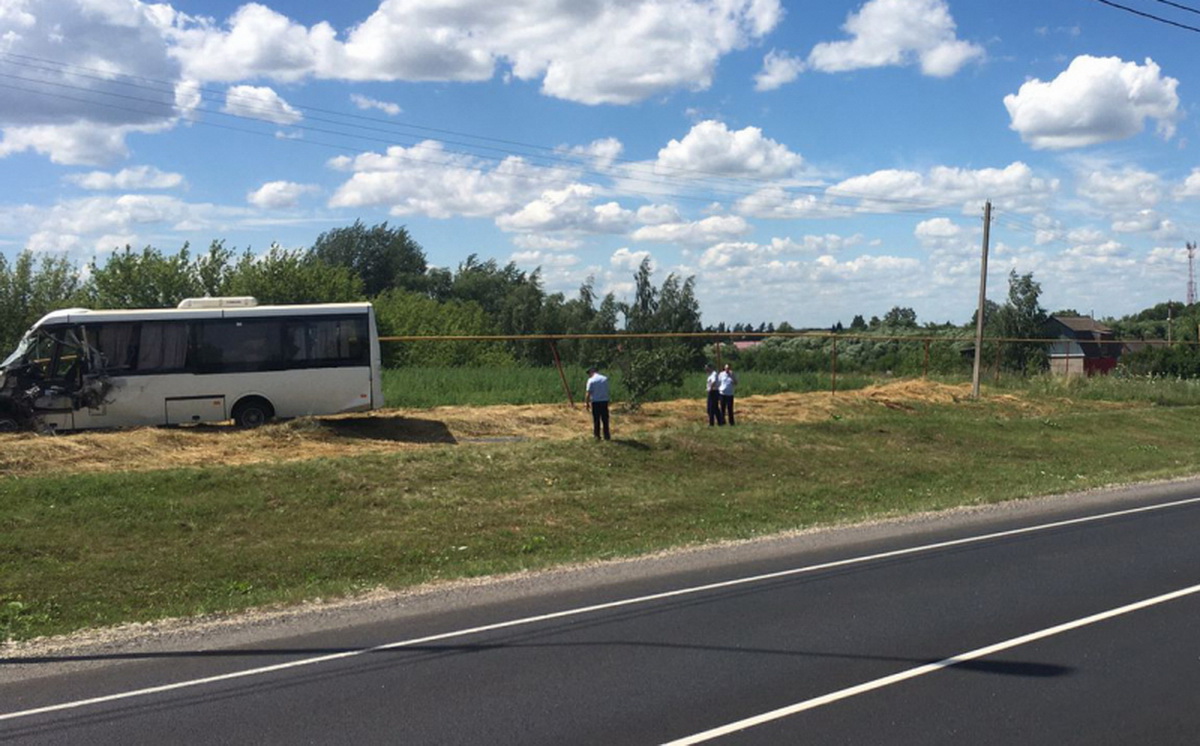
<point>389,430</point>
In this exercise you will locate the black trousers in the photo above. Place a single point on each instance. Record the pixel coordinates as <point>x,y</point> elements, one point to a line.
<point>715,415</point>
<point>600,418</point>
<point>727,407</point>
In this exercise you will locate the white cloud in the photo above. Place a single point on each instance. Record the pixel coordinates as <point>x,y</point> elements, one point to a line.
<point>602,153</point>
<point>543,259</point>
<point>78,144</point>
<point>1190,187</point>
<point>628,260</point>
<point>1013,187</point>
<point>1095,100</point>
<point>777,203</point>
<point>1126,190</point>
<point>280,194</point>
<point>91,46</point>
<point>779,69</point>
<point>570,47</point>
<point>427,180</point>
<point>747,254</point>
<point>366,104</point>
<point>898,32</point>
<point>539,242</point>
<point>708,230</point>
<point>260,102</point>
<point>137,177</point>
<point>568,209</point>
<point>658,214</point>
<point>92,223</point>
<point>711,148</point>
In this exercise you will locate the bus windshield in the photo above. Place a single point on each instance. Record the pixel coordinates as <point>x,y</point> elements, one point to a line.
<point>18,353</point>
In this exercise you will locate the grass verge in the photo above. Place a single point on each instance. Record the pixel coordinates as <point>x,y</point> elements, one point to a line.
<point>100,549</point>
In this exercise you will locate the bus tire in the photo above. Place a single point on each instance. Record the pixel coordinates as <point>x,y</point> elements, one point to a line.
<point>252,412</point>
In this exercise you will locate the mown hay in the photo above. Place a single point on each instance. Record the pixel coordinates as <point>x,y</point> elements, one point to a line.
<point>390,430</point>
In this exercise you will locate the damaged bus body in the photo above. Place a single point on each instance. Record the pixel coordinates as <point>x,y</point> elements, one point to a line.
<point>209,360</point>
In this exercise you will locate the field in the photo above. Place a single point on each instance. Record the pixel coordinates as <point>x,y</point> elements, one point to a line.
<point>105,528</point>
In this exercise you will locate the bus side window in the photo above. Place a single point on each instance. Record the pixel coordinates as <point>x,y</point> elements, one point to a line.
<point>116,344</point>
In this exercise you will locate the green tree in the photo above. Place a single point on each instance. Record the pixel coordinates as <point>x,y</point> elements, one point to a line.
<point>900,318</point>
<point>1022,317</point>
<point>282,276</point>
<point>381,256</point>
<point>406,313</point>
<point>145,279</point>
<point>30,289</point>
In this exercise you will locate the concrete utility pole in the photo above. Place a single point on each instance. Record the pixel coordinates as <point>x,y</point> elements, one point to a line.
<point>987,224</point>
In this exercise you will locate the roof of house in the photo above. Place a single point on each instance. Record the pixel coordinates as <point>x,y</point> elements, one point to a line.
<point>1082,324</point>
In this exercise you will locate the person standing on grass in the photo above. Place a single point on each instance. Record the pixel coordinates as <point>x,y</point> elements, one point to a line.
<point>596,399</point>
<point>715,415</point>
<point>726,382</point>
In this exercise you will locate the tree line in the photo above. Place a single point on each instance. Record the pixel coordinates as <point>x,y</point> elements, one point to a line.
<point>386,265</point>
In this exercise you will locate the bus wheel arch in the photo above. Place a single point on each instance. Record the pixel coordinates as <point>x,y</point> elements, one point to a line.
<point>252,411</point>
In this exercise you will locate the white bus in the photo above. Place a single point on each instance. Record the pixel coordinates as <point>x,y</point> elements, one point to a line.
<point>209,360</point>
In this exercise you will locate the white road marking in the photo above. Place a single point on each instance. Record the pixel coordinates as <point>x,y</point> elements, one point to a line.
<point>913,673</point>
<point>579,611</point>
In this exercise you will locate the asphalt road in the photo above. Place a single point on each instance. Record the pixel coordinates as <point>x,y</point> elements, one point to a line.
<point>1071,620</point>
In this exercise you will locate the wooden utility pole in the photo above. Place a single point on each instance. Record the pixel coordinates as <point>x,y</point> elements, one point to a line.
<point>987,224</point>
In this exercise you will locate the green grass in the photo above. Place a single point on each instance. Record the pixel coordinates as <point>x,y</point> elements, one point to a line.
<point>423,387</point>
<point>99,549</point>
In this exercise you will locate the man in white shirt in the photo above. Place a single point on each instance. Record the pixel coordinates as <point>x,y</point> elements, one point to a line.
<point>726,382</point>
<point>715,415</point>
<point>596,399</point>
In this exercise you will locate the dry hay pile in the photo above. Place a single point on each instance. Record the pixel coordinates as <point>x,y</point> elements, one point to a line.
<point>398,429</point>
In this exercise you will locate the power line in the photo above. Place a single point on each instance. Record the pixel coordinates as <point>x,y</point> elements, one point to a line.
<point>1151,16</point>
<point>1180,6</point>
<point>729,186</point>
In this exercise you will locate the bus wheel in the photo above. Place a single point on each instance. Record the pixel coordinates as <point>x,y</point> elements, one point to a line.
<point>252,412</point>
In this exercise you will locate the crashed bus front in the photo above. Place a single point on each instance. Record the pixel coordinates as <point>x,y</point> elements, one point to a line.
<point>53,372</point>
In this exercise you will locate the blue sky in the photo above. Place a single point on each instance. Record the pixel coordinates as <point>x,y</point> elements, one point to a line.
<point>805,161</point>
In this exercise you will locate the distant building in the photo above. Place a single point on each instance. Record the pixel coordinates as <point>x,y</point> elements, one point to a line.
<point>1084,347</point>
<point>748,344</point>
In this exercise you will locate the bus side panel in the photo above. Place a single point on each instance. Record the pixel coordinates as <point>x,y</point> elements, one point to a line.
<point>301,393</point>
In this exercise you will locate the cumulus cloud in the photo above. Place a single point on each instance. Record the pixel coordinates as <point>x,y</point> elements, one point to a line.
<point>568,209</point>
<point>543,259</point>
<point>260,102</point>
<point>539,242</point>
<point>898,32</point>
<point>626,259</point>
<point>747,254</point>
<point>280,194</point>
<point>779,69</point>
<point>367,104</point>
<point>78,144</point>
<point>711,148</point>
<point>1095,100</point>
<point>82,38</point>
<point>1190,187</point>
<point>104,222</point>
<point>1013,187</point>
<point>1124,190</point>
<point>714,228</point>
<point>571,48</point>
<point>137,177</point>
<point>427,180</point>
